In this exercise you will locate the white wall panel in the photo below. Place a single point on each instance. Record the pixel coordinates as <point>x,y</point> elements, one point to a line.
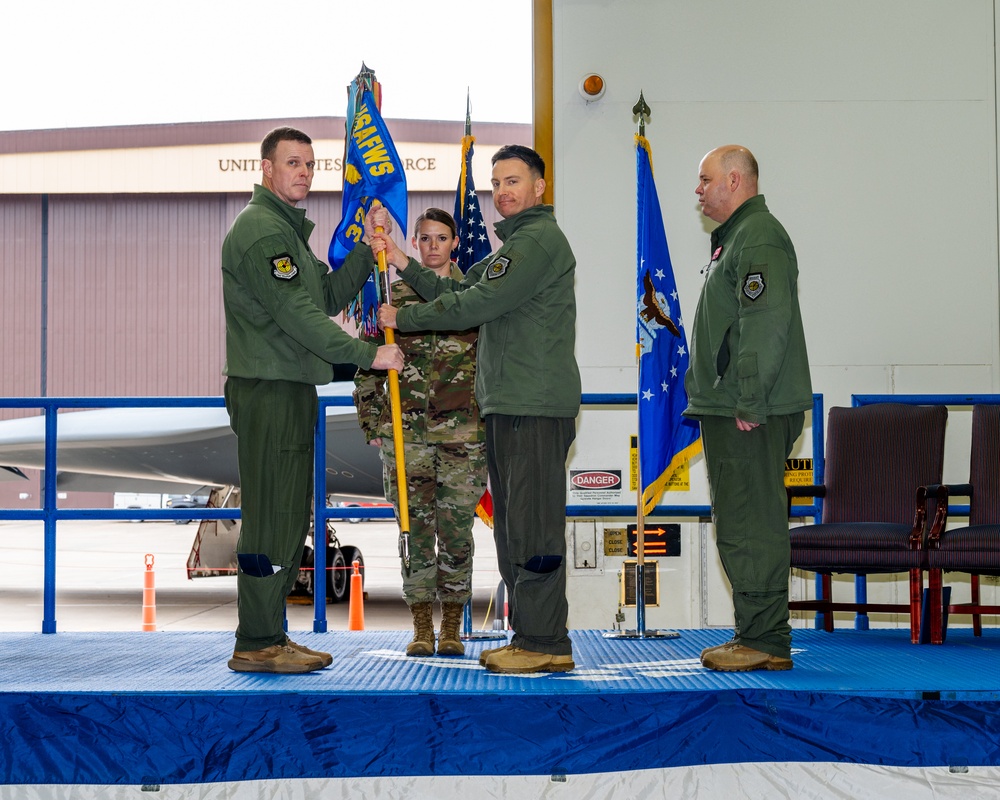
<point>875,128</point>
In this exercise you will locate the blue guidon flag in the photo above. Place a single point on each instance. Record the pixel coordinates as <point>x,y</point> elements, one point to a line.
<point>666,438</point>
<point>372,171</point>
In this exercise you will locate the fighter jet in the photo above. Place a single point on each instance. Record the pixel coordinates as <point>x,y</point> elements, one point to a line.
<point>176,450</point>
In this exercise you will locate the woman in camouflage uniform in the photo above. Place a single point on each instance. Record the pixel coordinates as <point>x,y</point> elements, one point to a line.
<point>444,447</point>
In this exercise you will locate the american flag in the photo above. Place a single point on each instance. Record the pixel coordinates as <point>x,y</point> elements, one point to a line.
<point>473,246</point>
<point>473,241</point>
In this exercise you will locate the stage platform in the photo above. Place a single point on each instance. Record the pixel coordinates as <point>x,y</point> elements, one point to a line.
<point>161,715</point>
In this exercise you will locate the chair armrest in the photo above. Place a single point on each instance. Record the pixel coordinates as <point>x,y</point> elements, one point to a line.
<point>816,490</point>
<point>945,490</point>
<point>941,493</point>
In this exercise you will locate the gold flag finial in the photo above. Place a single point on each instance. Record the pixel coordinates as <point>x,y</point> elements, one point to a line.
<point>643,111</point>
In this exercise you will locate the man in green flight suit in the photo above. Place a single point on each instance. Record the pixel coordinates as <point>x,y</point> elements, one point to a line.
<point>528,390</point>
<point>280,344</point>
<point>748,385</point>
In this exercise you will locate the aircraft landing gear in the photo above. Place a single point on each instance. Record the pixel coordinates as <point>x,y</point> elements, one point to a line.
<point>337,578</point>
<point>338,570</point>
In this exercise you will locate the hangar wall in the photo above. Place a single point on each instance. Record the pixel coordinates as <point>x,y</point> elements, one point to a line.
<point>875,129</point>
<point>114,286</point>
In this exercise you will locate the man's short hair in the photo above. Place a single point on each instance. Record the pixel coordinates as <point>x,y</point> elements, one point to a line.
<point>270,142</point>
<point>741,159</point>
<point>521,153</point>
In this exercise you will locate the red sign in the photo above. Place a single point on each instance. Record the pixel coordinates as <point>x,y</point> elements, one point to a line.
<point>595,479</point>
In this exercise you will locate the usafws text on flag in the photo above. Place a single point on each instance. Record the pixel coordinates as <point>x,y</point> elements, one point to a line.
<point>372,170</point>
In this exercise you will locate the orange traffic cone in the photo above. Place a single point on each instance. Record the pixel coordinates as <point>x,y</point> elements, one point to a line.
<point>149,597</point>
<point>356,610</point>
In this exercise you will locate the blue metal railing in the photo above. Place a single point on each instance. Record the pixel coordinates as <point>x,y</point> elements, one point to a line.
<point>50,514</point>
<point>322,512</point>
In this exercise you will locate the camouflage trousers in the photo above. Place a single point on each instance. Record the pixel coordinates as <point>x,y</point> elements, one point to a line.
<point>443,483</point>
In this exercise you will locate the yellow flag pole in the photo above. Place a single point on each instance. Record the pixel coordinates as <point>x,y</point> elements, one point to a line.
<point>397,429</point>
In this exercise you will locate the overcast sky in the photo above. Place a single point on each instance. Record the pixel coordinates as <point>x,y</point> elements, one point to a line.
<point>81,63</point>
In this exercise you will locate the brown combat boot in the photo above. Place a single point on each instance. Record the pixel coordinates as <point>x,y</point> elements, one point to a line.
<point>449,643</point>
<point>326,658</point>
<point>517,661</point>
<point>734,657</point>
<point>423,630</point>
<point>278,658</point>
<point>485,654</point>
<point>708,650</point>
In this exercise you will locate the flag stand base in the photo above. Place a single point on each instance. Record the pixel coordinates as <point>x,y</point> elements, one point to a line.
<point>653,634</point>
<point>469,635</point>
<point>483,636</point>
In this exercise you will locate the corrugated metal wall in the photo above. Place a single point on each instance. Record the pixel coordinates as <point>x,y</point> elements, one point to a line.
<point>20,298</point>
<point>134,292</point>
<point>134,298</point>
<point>135,295</point>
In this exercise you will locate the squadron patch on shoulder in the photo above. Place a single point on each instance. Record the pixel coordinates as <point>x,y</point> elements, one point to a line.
<point>753,286</point>
<point>498,268</point>
<point>283,268</point>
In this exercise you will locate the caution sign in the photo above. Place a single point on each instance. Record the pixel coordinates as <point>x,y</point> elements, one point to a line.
<point>799,472</point>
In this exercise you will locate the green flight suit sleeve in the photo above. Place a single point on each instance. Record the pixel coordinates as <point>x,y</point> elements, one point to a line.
<point>490,289</point>
<point>294,304</point>
<point>765,286</point>
<point>340,286</point>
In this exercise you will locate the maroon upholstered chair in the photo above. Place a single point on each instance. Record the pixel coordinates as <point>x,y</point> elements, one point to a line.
<point>878,457</point>
<point>975,548</point>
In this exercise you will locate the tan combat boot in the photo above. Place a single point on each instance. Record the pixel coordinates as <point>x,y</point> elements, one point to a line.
<point>278,658</point>
<point>423,630</point>
<point>449,643</point>
<point>517,661</point>
<point>485,654</point>
<point>734,657</point>
<point>326,658</point>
